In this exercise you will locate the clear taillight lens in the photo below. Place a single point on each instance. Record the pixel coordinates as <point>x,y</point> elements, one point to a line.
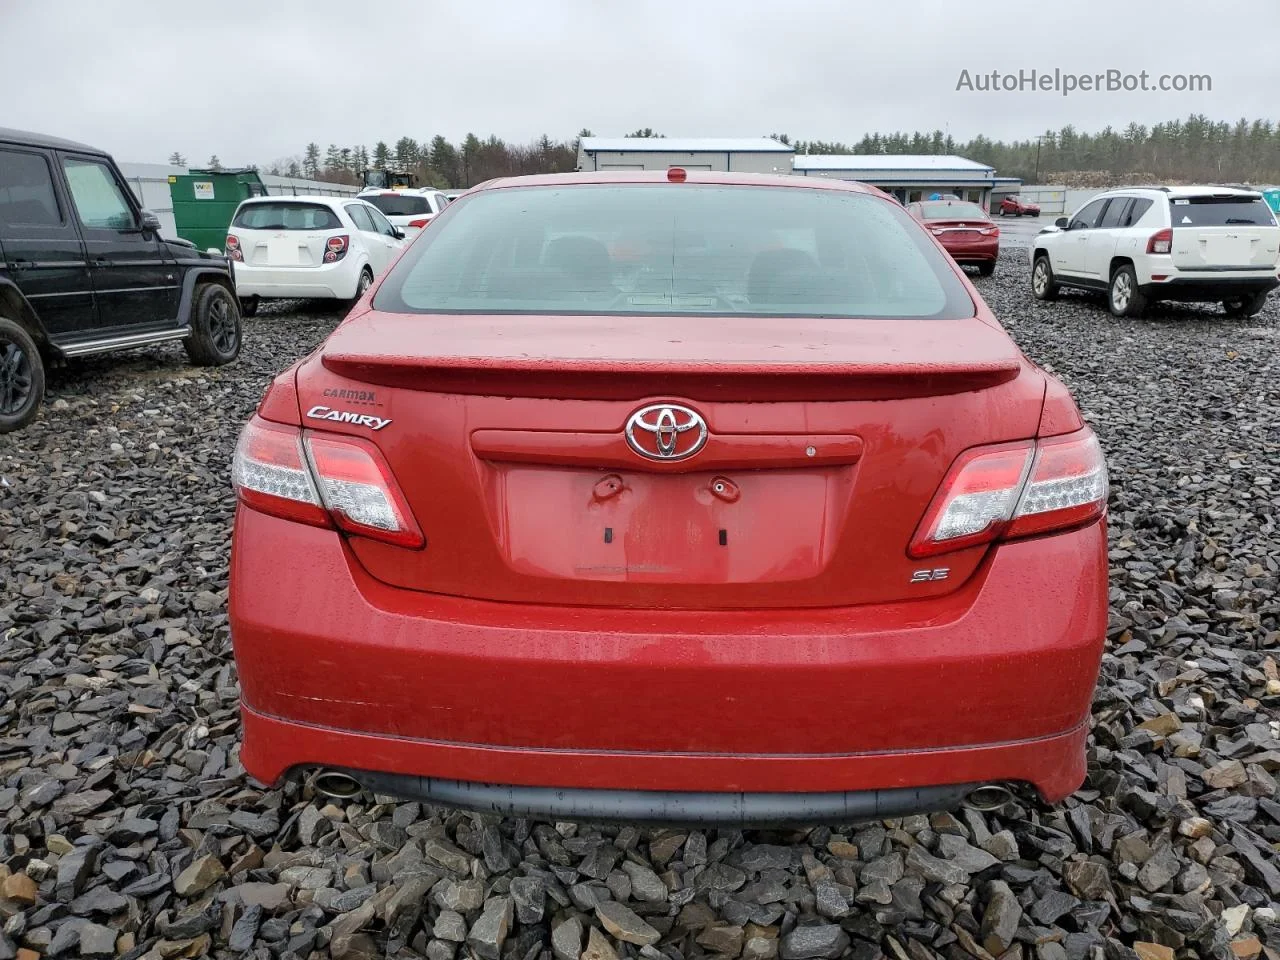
<point>1015,490</point>
<point>269,472</point>
<point>1161,241</point>
<point>233,250</point>
<point>322,480</point>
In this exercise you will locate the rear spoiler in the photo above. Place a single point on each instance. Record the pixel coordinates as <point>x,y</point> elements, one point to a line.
<point>597,380</point>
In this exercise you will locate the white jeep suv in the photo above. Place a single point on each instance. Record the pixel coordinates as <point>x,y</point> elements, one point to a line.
<point>1140,245</point>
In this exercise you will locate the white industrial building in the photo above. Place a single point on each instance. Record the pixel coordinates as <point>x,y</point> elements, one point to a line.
<point>908,177</point>
<point>730,154</point>
<point>150,184</point>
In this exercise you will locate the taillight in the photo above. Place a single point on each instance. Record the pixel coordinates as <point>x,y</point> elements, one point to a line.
<point>937,231</point>
<point>1015,490</point>
<point>359,491</point>
<point>233,248</point>
<point>990,231</point>
<point>420,223</point>
<point>332,481</point>
<point>335,248</point>
<point>1161,241</point>
<point>269,472</point>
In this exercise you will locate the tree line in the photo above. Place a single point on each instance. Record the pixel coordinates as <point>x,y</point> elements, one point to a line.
<point>1196,148</point>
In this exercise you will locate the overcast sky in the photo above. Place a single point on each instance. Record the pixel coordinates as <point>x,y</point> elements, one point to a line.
<point>255,82</point>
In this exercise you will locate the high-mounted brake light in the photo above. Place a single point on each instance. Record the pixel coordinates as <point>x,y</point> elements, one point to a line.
<point>233,250</point>
<point>1161,241</point>
<point>1015,490</point>
<point>677,175</point>
<point>328,480</point>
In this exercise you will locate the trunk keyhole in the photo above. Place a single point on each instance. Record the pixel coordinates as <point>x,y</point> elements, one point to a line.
<point>607,487</point>
<point>725,489</point>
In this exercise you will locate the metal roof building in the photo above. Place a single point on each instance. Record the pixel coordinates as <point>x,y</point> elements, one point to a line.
<point>909,177</point>
<point>735,154</point>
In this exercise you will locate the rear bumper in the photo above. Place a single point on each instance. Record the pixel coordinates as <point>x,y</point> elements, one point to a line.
<point>330,281</point>
<point>990,683</point>
<point>983,251</point>
<point>1200,287</point>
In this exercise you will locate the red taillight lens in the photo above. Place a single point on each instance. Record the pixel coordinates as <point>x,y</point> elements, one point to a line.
<point>269,472</point>
<point>990,231</point>
<point>357,487</point>
<point>1015,490</point>
<point>335,248</point>
<point>1161,241</point>
<point>233,248</point>
<point>975,500</point>
<point>420,223</point>
<point>338,480</point>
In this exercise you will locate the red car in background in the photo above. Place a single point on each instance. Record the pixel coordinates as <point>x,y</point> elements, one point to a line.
<point>1018,207</point>
<point>769,522</point>
<point>964,229</point>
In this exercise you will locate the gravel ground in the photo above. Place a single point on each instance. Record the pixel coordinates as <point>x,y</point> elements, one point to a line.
<point>129,828</point>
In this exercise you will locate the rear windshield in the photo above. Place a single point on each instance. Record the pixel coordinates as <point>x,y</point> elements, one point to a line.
<point>399,204</point>
<point>1219,212</point>
<point>286,216</point>
<point>952,210</point>
<point>613,249</point>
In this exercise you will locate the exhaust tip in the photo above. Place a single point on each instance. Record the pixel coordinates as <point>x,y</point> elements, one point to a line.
<point>336,784</point>
<point>989,798</point>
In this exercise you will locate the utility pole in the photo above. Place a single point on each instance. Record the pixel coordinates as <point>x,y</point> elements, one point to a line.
<point>1039,140</point>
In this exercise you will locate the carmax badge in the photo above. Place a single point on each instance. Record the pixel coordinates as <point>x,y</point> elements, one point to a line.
<point>321,412</point>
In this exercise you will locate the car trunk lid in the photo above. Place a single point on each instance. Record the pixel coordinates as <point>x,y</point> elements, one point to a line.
<point>509,437</point>
<point>1223,232</point>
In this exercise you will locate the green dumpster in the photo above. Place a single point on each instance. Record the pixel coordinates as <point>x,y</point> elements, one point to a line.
<point>204,201</point>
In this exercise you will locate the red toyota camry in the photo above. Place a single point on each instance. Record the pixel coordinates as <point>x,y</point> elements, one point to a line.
<point>964,230</point>
<point>671,497</point>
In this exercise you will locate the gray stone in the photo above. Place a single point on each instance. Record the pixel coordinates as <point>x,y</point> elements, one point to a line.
<point>447,855</point>
<point>623,923</point>
<point>1000,919</point>
<point>830,900</point>
<point>97,941</point>
<point>530,895</point>
<point>489,932</point>
<point>245,929</point>
<point>924,864</point>
<point>646,885</point>
<point>969,858</point>
<point>566,939</point>
<point>451,926</point>
<point>823,940</point>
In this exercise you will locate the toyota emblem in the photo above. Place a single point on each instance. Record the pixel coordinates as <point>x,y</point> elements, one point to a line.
<point>666,431</point>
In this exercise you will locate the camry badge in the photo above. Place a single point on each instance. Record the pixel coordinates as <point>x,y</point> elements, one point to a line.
<point>347,416</point>
<point>666,431</point>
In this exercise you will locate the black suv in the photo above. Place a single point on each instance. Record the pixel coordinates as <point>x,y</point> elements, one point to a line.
<point>83,270</point>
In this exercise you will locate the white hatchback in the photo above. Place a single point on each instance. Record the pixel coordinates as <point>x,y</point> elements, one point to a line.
<point>408,209</point>
<point>308,247</point>
<point>1141,245</point>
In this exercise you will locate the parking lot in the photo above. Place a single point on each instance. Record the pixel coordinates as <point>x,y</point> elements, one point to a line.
<point>121,702</point>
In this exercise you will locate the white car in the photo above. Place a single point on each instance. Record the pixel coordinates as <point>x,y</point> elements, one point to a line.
<point>409,209</point>
<point>311,247</point>
<point>1192,244</point>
